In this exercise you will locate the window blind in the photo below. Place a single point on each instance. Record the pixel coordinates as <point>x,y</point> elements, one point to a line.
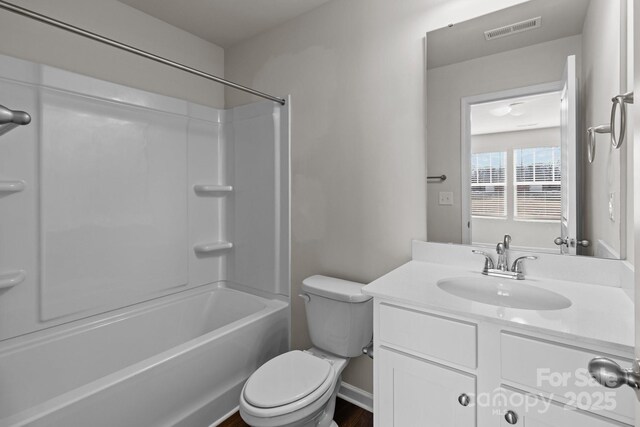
<point>488,179</point>
<point>537,183</point>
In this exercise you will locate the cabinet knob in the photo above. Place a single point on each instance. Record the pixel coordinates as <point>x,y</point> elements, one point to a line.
<point>561,242</point>
<point>464,400</point>
<point>511,417</point>
<point>584,243</point>
<point>609,374</point>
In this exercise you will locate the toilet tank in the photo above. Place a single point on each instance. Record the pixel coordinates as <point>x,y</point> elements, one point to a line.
<point>339,315</point>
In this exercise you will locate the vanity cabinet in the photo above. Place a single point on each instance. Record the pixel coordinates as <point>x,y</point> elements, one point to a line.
<point>439,370</point>
<point>558,371</point>
<point>536,412</point>
<point>417,392</point>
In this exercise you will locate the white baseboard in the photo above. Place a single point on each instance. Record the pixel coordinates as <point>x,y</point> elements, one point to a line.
<point>357,396</point>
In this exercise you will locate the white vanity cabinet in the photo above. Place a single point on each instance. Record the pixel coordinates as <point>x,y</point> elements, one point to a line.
<point>531,411</point>
<point>439,370</point>
<point>415,392</point>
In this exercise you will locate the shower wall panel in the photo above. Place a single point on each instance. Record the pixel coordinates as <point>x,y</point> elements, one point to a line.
<point>126,196</point>
<point>207,210</point>
<point>260,163</point>
<point>109,215</point>
<point>113,202</point>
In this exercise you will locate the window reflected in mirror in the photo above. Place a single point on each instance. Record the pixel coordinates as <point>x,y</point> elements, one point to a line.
<point>515,171</point>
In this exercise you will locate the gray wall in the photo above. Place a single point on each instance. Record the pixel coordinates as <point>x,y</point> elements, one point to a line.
<point>356,73</point>
<point>601,45</point>
<point>31,40</point>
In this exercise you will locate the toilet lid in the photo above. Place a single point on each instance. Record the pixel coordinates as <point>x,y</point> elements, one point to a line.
<point>286,379</point>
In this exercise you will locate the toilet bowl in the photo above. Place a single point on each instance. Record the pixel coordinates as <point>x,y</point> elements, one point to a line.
<point>299,388</point>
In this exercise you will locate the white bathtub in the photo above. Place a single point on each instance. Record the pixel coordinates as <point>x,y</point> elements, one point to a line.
<point>179,360</point>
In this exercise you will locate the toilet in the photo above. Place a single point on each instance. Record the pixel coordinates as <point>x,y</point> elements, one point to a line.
<point>299,388</point>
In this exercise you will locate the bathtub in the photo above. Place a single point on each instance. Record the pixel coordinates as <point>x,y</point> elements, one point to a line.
<point>175,361</point>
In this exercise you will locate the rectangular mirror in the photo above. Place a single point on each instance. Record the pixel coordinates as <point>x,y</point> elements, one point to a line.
<point>510,96</point>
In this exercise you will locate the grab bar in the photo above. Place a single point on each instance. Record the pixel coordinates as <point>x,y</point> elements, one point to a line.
<point>622,101</point>
<point>10,119</point>
<point>591,139</point>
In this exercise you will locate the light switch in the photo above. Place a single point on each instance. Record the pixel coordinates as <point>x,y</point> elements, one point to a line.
<point>446,198</point>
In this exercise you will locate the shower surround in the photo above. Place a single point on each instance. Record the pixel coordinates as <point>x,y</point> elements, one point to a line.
<point>146,232</point>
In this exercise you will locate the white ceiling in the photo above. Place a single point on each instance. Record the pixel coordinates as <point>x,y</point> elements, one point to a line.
<point>465,40</point>
<point>531,112</point>
<point>225,22</point>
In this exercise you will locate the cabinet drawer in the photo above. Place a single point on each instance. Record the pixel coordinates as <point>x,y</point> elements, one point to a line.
<point>560,372</point>
<point>431,336</point>
<point>530,411</point>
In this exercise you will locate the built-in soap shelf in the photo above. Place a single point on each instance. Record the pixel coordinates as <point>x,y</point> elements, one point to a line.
<point>12,186</point>
<point>9,280</point>
<point>209,248</point>
<point>210,189</point>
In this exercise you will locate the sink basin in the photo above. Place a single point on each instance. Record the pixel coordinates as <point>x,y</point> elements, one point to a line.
<point>504,293</point>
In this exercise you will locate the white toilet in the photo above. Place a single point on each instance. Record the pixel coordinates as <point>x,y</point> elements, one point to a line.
<point>299,388</point>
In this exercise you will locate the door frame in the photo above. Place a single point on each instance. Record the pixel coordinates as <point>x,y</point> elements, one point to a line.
<point>465,140</point>
<point>632,82</point>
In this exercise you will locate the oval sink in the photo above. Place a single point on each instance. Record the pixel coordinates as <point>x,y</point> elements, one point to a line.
<point>504,293</point>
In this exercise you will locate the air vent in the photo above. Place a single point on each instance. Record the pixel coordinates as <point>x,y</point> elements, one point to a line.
<point>518,27</point>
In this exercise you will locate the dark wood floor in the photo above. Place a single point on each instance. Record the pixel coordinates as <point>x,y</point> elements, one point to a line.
<point>347,415</point>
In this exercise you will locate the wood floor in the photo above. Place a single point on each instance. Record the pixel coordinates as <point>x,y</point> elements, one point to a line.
<point>347,415</point>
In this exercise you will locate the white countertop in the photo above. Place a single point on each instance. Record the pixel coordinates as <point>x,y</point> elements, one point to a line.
<point>601,315</point>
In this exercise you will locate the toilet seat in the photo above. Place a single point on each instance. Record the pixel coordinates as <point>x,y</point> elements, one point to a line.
<point>288,383</point>
<point>287,378</point>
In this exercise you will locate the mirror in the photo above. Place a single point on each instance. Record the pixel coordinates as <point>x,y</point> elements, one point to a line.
<point>510,96</point>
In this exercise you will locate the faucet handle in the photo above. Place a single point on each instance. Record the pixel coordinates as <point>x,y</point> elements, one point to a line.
<point>488,261</point>
<point>507,241</point>
<point>517,264</point>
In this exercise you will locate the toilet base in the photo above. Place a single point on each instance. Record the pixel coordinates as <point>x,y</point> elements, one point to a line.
<point>333,424</point>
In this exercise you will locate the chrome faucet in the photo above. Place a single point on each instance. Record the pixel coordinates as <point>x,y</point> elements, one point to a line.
<point>503,255</point>
<point>503,260</point>
<point>501,268</point>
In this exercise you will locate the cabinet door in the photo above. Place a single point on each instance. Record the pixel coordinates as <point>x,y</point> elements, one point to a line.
<point>412,392</point>
<point>532,411</point>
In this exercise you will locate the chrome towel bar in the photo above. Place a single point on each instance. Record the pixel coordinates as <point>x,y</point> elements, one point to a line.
<point>621,101</point>
<point>10,119</point>
<point>617,139</point>
<point>440,178</point>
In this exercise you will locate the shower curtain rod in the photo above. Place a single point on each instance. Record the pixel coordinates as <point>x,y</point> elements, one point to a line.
<point>93,36</point>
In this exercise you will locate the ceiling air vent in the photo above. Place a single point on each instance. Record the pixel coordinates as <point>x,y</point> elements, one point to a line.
<point>518,27</point>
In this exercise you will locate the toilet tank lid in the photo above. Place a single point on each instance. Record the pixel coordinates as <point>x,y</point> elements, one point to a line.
<point>336,289</point>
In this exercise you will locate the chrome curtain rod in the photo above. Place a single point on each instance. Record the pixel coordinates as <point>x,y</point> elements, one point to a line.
<point>93,36</point>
